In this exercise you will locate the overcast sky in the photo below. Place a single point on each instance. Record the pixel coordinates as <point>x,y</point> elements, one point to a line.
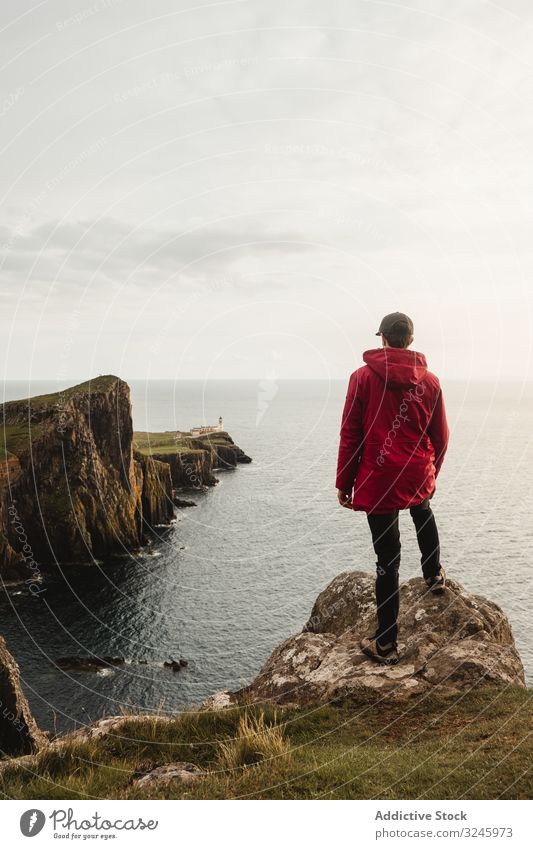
<point>201,190</point>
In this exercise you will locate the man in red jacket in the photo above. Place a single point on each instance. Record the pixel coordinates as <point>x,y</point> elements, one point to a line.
<point>394,436</point>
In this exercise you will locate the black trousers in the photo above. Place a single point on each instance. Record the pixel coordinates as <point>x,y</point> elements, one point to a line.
<point>385,529</point>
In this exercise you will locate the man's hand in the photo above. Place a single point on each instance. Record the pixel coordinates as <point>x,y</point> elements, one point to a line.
<point>344,498</point>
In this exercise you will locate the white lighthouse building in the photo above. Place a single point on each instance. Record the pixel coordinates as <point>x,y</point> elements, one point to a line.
<point>205,429</point>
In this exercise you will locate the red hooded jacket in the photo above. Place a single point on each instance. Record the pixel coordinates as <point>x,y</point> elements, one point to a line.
<point>394,432</point>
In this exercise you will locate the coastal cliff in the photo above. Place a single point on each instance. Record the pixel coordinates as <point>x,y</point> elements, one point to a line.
<point>76,483</point>
<point>71,488</point>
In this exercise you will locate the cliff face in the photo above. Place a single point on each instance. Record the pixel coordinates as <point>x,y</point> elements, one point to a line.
<point>19,734</point>
<point>189,469</point>
<point>226,455</point>
<point>192,460</point>
<point>447,643</point>
<point>155,486</point>
<point>76,483</point>
<point>71,489</point>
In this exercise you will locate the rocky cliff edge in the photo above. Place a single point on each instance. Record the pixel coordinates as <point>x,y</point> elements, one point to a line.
<point>447,643</point>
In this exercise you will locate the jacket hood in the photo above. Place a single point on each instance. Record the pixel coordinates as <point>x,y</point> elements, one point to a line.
<point>397,366</point>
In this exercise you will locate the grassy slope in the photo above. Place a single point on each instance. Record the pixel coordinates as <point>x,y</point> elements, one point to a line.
<point>17,439</point>
<point>97,384</point>
<point>475,747</point>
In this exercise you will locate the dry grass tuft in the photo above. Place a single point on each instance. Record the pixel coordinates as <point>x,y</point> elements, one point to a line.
<point>255,741</point>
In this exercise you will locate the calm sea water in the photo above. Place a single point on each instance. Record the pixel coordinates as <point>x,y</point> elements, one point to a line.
<point>239,572</point>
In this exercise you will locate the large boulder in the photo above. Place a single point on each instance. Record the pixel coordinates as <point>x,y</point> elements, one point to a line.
<point>447,643</point>
<point>161,776</point>
<point>19,734</point>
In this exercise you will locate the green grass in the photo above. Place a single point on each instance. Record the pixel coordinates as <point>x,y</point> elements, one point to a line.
<point>165,443</point>
<point>219,438</point>
<point>256,739</point>
<point>167,449</point>
<point>17,439</point>
<point>476,746</point>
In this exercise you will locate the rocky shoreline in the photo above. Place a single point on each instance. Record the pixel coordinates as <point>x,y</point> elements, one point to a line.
<point>449,645</point>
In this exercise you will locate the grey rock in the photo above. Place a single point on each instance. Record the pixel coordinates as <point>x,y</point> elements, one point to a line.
<point>447,643</point>
<point>19,734</point>
<point>162,775</point>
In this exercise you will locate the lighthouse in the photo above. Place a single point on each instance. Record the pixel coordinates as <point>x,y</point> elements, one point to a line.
<point>205,430</point>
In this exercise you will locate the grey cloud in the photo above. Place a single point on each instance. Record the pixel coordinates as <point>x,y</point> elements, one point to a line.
<point>118,248</point>
<point>306,146</point>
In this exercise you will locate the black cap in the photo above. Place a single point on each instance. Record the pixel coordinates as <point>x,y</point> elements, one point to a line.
<point>396,323</point>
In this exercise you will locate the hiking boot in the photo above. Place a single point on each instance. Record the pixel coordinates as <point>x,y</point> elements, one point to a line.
<point>387,655</point>
<point>437,583</point>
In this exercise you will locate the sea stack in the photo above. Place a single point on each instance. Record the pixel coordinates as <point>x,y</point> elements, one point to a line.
<point>19,734</point>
